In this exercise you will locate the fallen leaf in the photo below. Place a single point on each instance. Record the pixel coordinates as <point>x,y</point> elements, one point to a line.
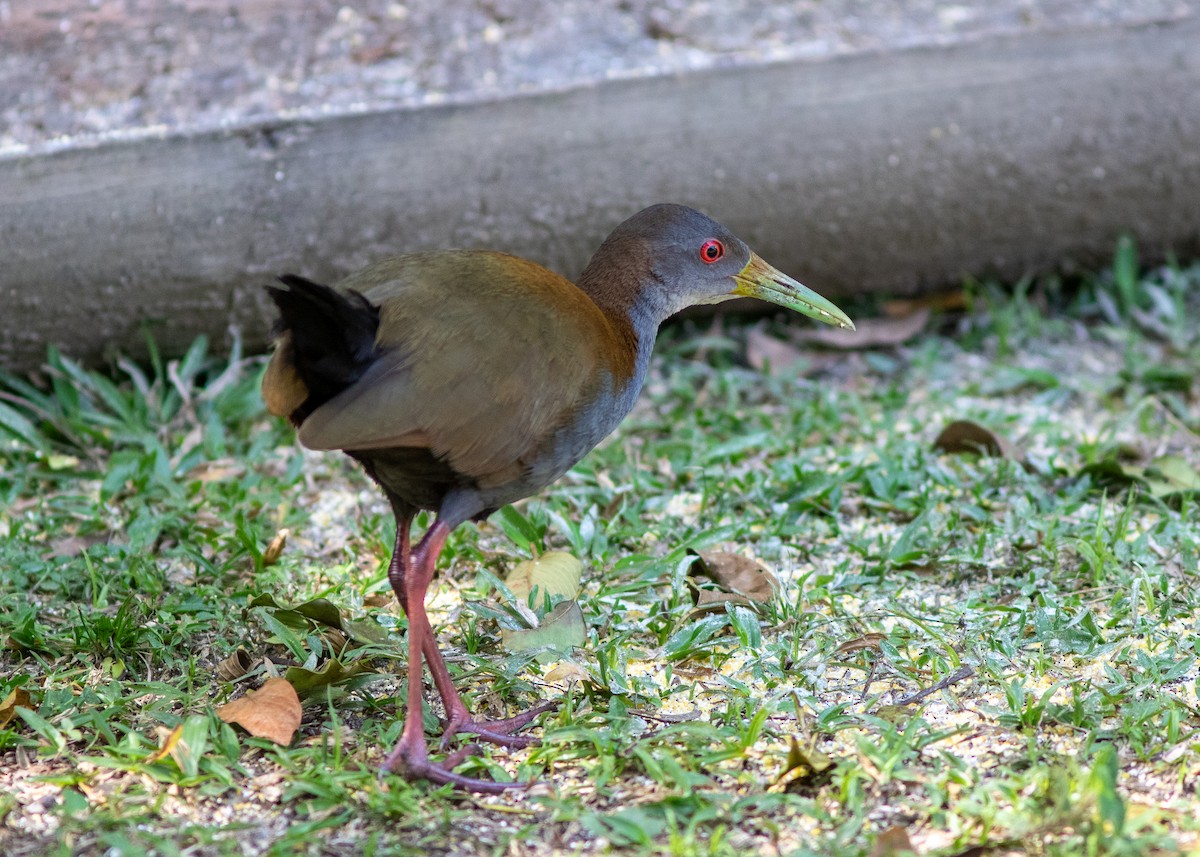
<point>271,712</point>
<point>320,614</point>
<point>554,573</point>
<point>365,630</point>
<point>804,768</point>
<point>222,470</point>
<point>1171,475</point>
<point>965,436</point>
<point>235,666</point>
<point>739,580</point>
<point>765,352</point>
<point>562,630</point>
<point>275,548</point>
<point>892,842</point>
<point>332,672</point>
<point>1169,478</point>
<point>71,546</point>
<point>8,708</point>
<point>379,599</point>
<point>167,739</point>
<point>566,673</point>
<point>866,641</point>
<point>869,332</point>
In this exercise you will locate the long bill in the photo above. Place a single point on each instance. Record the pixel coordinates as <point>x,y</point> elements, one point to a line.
<point>760,280</point>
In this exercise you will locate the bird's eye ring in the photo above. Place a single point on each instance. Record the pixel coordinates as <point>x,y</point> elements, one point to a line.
<point>711,250</point>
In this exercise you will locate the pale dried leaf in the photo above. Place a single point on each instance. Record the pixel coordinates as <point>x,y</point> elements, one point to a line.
<point>764,351</point>
<point>71,546</point>
<point>167,739</point>
<point>275,548</point>
<point>8,708</point>
<point>271,712</point>
<point>555,573</point>
<point>805,767</point>
<point>893,842</point>
<point>566,673</point>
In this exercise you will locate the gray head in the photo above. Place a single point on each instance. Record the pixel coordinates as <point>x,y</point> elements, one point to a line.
<point>668,257</point>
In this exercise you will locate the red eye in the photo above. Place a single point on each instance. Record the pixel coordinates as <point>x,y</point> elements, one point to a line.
<point>711,250</point>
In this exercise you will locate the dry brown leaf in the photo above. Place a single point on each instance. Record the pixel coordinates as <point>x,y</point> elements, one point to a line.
<point>566,673</point>
<point>866,641</point>
<point>8,708</point>
<point>275,548</point>
<point>235,666</point>
<point>219,470</point>
<point>379,600</point>
<point>804,768</point>
<point>966,436</point>
<point>71,546</point>
<point>868,333</point>
<point>167,739</point>
<point>740,580</point>
<point>271,712</point>
<point>764,351</point>
<point>893,842</point>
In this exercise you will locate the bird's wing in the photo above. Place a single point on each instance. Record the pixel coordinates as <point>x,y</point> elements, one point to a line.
<point>482,357</point>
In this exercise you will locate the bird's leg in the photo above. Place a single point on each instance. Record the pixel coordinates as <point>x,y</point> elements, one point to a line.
<point>397,576</point>
<point>410,754</point>
<point>398,567</point>
<point>458,716</point>
<point>459,719</point>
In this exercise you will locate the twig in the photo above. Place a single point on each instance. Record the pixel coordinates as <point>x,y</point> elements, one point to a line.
<point>954,678</point>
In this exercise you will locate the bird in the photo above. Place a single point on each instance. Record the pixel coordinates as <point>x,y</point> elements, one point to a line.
<point>465,380</point>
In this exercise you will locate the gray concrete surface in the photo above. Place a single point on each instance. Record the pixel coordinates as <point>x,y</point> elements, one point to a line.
<point>859,168</point>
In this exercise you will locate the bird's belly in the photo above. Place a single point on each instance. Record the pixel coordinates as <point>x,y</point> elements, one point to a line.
<point>564,448</point>
<point>411,474</point>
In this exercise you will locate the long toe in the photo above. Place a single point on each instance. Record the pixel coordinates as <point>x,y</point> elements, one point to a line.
<point>442,773</point>
<point>498,732</point>
<point>437,773</point>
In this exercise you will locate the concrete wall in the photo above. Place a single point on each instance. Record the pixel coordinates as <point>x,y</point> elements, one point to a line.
<point>887,172</point>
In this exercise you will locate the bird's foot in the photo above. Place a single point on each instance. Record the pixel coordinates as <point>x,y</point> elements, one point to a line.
<point>413,763</point>
<point>499,732</point>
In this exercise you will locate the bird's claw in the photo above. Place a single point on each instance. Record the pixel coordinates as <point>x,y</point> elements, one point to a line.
<point>416,764</point>
<point>498,732</point>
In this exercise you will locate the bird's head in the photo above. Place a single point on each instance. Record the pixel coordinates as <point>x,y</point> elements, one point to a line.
<point>682,257</point>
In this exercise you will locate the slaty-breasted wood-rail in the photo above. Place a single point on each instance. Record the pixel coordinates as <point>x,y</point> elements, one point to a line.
<point>464,380</point>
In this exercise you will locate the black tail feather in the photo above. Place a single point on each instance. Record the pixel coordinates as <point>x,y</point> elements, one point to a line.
<point>333,335</point>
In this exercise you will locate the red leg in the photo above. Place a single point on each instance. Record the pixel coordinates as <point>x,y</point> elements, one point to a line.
<point>410,754</point>
<point>398,567</point>
<point>458,716</point>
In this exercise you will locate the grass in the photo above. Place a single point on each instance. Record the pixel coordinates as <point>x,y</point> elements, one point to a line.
<point>968,655</point>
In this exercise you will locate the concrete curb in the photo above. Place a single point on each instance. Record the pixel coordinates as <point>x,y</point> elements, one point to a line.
<point>883,172</point>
